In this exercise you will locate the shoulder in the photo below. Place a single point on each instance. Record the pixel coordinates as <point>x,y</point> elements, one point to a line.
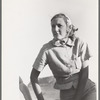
<point>80,41</point>
<point>80,45</point>
<point>47,46</point>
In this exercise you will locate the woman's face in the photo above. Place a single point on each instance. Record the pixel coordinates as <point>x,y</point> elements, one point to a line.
<point>60,29</point>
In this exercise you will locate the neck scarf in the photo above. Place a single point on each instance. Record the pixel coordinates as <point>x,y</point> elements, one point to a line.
<point>63,42</point>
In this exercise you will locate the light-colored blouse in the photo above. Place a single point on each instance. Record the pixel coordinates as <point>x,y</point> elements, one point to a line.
<point>65,58</point>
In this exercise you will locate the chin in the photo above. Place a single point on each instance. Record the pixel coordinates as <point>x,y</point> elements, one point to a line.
<point>58,37</point>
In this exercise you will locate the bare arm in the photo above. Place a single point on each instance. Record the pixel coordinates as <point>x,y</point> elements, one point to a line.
<point>83,76</point>
<point>35,84</point>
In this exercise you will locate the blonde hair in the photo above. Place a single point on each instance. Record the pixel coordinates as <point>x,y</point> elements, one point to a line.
<point>65,18</point>
<point>68,22</point>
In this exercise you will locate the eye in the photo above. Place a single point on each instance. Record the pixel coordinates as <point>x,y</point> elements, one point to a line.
<point>59,25</point>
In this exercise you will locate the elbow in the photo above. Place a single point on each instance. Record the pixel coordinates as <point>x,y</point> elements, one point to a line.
<point>84,72</point>
<point>34,76</point>
<point>31,77</point>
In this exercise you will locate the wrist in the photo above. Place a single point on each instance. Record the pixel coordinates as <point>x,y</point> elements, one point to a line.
<point>40,97</point>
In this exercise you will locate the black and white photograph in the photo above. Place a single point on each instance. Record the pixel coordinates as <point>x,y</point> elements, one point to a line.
<point>50,50</point>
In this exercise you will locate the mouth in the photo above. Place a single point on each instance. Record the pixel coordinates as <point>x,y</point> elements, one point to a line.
<point>57,33</point>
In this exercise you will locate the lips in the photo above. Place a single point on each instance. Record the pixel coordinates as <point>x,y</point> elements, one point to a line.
<point>56,32</point>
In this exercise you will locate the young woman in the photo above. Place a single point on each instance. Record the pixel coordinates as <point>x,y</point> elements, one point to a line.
<point>67,57</point>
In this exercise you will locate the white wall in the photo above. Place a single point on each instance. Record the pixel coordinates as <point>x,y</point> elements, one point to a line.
<point>26,27</point>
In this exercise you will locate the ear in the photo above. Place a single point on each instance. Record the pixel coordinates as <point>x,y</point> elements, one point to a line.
<point>70,26</point>
<point>69,30</point>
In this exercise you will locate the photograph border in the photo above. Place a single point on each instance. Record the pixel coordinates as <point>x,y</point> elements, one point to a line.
<point>2,45</point>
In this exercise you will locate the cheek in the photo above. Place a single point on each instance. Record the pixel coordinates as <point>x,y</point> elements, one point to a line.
<point>68,31</point>
<point>64,31</point>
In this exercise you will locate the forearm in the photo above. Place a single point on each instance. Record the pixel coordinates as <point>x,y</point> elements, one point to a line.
<point>35,84</point>
<point>83,76</point>
<point>37,90</point>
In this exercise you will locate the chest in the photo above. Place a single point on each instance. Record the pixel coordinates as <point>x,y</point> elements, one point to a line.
<point>62,53</point>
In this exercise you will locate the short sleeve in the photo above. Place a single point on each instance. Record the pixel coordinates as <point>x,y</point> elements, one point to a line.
<point>41,60</point>
<point>85,52</point>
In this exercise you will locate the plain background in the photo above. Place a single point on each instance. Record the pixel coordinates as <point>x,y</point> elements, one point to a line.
<point>26,27</point>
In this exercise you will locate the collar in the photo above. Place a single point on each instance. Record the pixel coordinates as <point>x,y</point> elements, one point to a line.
<point>63,42</point>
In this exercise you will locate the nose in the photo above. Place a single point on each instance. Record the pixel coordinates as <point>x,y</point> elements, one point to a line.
<point>56,28</point>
